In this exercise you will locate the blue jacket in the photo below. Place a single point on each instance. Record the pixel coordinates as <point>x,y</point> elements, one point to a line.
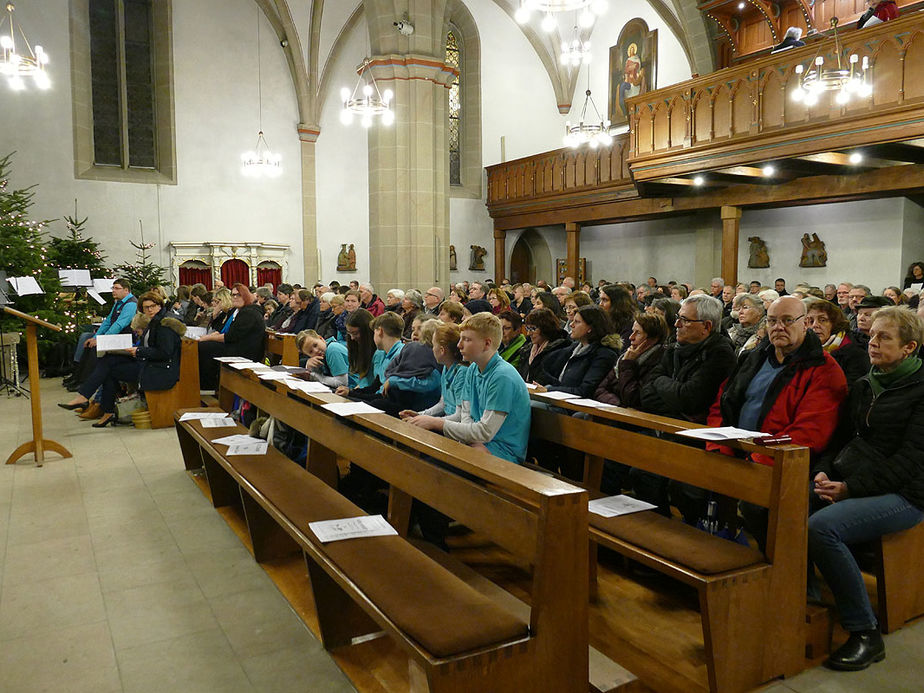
<point>120,317</point>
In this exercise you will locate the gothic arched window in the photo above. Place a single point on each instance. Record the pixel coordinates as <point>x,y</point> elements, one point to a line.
<point>454,59</point>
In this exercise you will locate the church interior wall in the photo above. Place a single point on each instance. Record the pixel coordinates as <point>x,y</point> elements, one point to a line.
<point>216,110</point>
<point>912,235</point>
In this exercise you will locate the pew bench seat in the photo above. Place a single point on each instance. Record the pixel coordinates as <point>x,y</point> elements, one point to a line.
<point>407,593</point>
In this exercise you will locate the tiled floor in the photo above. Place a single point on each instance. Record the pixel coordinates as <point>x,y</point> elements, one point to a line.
<point>117,575</point>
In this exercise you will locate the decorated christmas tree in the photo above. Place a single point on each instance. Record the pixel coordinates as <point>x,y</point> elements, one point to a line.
<point>143,274</point>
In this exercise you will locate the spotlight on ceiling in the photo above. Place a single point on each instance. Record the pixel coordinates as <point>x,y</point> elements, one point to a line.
<point>699,180</point>
<point>768,171</point>
<point>855,158</point>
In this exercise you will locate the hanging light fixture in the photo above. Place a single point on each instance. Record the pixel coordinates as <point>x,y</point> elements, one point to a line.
<point>847,82</point>
<point>576,52</point>
<point>366,101</point>
<point>595,133</point>
<point>261,162</point>
<point>16,64</point>
<point>588,11</point>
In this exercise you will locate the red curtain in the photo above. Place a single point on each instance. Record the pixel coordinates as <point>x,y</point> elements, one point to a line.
<point>196,275</point>
<point>234,271</point>
<point>269,275</point>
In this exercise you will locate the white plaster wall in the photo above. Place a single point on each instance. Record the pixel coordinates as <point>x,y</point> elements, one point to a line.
<point>863,241</point>
<point>333,18</point>
<point>342,170</point>
<point>912,237</point>
<point>215,90</point>
<point>470,224</point>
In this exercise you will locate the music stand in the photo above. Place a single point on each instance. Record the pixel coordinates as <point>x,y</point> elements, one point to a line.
<point>38,444</point>
<point>8,382</point>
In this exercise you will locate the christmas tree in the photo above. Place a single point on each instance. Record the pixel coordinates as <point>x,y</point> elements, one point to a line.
<point>74,251</point>
<point>23,254</point>
<point>143,274</point>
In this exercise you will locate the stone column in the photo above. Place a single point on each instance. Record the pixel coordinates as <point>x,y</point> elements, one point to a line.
<point>573,230</point>
<point>731,222</point>
<point>308,135</point>
<point>500,252</point>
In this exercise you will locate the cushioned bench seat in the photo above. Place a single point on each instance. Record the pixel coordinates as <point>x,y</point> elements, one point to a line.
<point>418,595</point>
<point>678,542</point>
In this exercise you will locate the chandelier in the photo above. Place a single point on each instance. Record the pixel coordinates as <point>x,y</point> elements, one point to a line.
<point>846,81</point>
<point>15,65</point>
<point>576,52</point>
<point>366,101</point>
<point>595,134</point>
<point>261,162</point>
<point>588,11</point>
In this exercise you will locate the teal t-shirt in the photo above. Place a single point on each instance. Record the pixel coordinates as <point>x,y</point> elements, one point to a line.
<point>380,361</point>
<point>452,385</point>
<point>336,361</point>
<point>500,388</point>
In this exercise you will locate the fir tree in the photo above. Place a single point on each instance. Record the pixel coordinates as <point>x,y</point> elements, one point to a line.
<point>143,274</point>
<point>74,251</point>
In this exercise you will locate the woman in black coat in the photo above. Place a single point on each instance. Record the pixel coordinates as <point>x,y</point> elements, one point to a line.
<point>154,363</point>
<point>874,484</point>
<point>307,309</point>
<point>546,337</point>
<point>244,336</point>
<point>579,368</point>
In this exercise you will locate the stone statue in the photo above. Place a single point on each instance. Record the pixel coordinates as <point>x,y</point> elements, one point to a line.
<point>351,259</point>
<point>758,255</point>
<point>453,261</point>
<point>343,258</point>
<point>477,263</point>
<point>813,251</point>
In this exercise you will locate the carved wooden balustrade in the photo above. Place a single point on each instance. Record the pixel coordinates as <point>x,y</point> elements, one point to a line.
<point>746,114</point>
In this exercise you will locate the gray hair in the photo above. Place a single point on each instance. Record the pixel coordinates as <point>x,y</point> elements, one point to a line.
<point>327,296</point>
<point>793,32</point>
<point>367,286</point>
<point>717,280</point>
<point>414,296</point>
<point>869,291</point>
<point>397,293</point>
<point>768,295</point>
<point>707,308</point>
<point>753,301</point>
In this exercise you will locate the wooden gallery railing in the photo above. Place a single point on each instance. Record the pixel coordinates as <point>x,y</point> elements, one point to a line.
<point>746,114</point>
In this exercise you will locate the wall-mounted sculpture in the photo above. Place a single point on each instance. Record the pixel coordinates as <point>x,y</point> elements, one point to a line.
<point>813,251</point>
<point>477,261</point>
<point>453,260</point>
<point>758,255</point>
<point>346,259</point>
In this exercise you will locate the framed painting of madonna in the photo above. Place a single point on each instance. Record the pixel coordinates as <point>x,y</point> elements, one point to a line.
<point>633,67</point>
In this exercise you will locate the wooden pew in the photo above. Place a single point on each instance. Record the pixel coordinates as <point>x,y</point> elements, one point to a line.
<point>752,606</point>
<point>282,345</point>
<point>162,403</point>
<point>898,578</point>
<point>383,581</point>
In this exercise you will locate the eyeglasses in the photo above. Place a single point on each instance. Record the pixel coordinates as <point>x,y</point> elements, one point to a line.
<point>531,328</point>
<point>785,322</point>
<point>430,293</point>
<point>234,294</point>
<point>685,321</point>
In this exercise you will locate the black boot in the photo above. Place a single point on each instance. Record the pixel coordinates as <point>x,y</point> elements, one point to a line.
<point>861,649</point>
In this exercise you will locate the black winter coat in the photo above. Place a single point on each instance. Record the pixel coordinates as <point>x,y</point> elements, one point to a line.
<point>247,335</point>
<point>583,373</point>
<point>884,448</point>
<point>327,324</point>
<point>685,384</point>
<point>853,360</point>
<point>160,359</point>
<point>306,319</point>
<point>533,372</point>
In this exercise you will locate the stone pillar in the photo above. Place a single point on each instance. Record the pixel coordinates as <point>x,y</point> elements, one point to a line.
<point>500,253</point>
<point>573,230</point>
<point>731,222</point>
<point>308,136</point>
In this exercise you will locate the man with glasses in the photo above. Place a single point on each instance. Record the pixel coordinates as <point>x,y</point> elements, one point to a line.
<point>477,304</point>
<point>433,299</point>
<point>787,386</point>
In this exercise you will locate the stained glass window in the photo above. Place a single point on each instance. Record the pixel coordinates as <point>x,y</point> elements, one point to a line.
<point>454,59</point>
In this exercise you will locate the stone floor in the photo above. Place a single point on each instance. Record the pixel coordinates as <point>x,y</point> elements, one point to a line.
<point>117,575</point>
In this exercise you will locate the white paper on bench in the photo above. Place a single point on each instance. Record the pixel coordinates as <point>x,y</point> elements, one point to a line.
<point>584,402</point>
<point>236,439</point>
<point>351,528</point>
<point>193,415</point>
<point>307,386</point>
<point>273,375</point>
<point>222,422</point>
<point>558,395</point>
<point>248,448</point>
<point>231,359</point>
<point>241,365</point>
<point>194,332</point>
<point>611,506</point>
<point>720,433</point>
<point>531,386</point>
<point>112,342</point>
<point>350,408</point>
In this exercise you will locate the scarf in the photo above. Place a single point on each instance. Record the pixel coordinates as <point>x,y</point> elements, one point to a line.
<point>577,351</point>
<point>883,380</point>
<point>834,342</point>
<point>536,350</point>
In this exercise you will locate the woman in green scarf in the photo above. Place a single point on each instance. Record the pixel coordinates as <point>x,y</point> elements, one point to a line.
<point>513,337</point>
<point>874,484</point>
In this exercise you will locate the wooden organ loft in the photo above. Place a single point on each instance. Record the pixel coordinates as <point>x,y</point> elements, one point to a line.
<point>746,29</point>
<point>731,140</point>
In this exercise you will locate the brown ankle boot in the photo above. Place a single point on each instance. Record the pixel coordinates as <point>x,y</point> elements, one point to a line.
<point>94,411</point>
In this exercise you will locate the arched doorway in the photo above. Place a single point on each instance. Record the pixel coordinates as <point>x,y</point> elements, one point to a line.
<point>530,258</point>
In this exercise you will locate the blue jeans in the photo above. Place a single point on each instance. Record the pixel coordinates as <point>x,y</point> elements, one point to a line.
<point>853,521</point>
<point>78,351</point>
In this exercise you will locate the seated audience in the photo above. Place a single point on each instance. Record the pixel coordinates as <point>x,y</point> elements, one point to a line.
<point>118,321</point>
<point>668,309</point>
<point>393,300</point>
<point>572,302</point>
<point>513,338</point>
<point>521,302</point>
<point>221,310</point>
<point>828,322</point>
<point>306,307</point>
<point>877,12</point>
<point>579,368</point>
<point>453,377</point>
<point>894,294</point>
<point>544,299</point>
<point>181,302</point>
<point>351,301</point>
<point>499,301</point>
<point>864,317</point>
<point>386,333</point>
<point>451,312</point>
<point>360,348</point>
<point>618,303</point>
<point>244,335</point>
<point>283,294</point>
<point>432,300</point>
<point>679,292</point>
<point>477,302</point>
<point>622,385</point>
<point>412,379</point>
<point>458,295</point>
<point>751,327</point>
<point>196,294</point>
<point>153,363</point>
<point>412,306</point>
<point>792,39</point>
<point>261,295</point>
<point>873,484</point>
<point>496,414</point>
<point>914,279</point>
<point>545,338</point>
<point>270,307</point>
<point>370,301</point>
<point>327,360</point>
<point>329,307</point>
